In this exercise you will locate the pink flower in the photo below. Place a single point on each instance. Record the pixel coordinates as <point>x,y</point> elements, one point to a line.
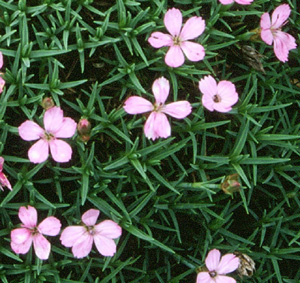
<point>218,267</point>
<point>271,32</point>
<point>242,2</point>
<point>3,179</point>
<point>219,97</point>
<point>157,124</point>
<point>178,38</point>
<point>22,238</point>
<point>81,238</point>
<point>56,126</point>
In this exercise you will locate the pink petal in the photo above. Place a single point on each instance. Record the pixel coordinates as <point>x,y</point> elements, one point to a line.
<point>161,89</point>
<point>228,263</point>
<point>157,125</point>
<point>227,92</point>
<point>137,105</point>
<point>193,28</point>
<point>28,216</point>
<point>174,57</point>
<point>159,39</point>
<point>53,119</point>
<point>282,43</point>
<point>60,151</point>
<point>267,36</point>
<point>204,277</point>
<point>221,107</point>
<point>105,246</point>
<point>224,279</point>
<point>265,21</point>
<point>208,102</point>
<point>173,21</point>
<point>67,129</point>
<point>20,235</point>
<point>83,247</point>
<point>179,109</point>
<point>4,181</point>
<point>212,260</point>
<point>39,151</point>
<point>244,2</point>
<point>108,229</point>
<point>280,15</point>
<point>208,86</point>
<point>1,163</point>
<point>22,248</point>
<point>50,226</point>
<point>30,131</point>
<point>193,51</point>
<point>226,2</point>
<point>71,235</point>
<point>2,84</point>
<point>1,60</point>
<point>41,246</point>
<point>90,217</point>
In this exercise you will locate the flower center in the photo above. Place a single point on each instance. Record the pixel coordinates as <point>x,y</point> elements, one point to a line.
<point>217,98</point>
<point>91,230</point>
<point>48,136</point>
<point>213,274</point>
<point>176,40</point>
<point>158,107</point>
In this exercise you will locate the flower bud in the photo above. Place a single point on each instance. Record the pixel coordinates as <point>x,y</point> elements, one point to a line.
<point>231,184</point>
<point>84,129</point>
<point>2,83</point>
<point>47,103</point>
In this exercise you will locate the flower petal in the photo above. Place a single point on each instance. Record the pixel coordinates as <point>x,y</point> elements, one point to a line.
<point>4,181</point>
<point>41,246</point>
<point>207,102</point>
<point>2,84</point>
<point>39,151</point>
<point>1,60</point>
<point>178,109</point>
<point>282,43</point>
<point>158,39</point>
<point>60,151</point>
<point>226,90</point>
<point>265,21</point>
<point>137,105</point>
<point>161,89</point>
<point>71,235</point>
<point>22,248</point>
<point>53,119</point>
<point>280,15</point>
<point>204,277</point>
<point>208,86</point>
<point>244,2</point>
<point>193,28</point>
<point>174,57</point>
<point>173,21</point>
<point>108,229</point>
<point>221,108</point>
<point>193,51</point>
<point>28,216</point>
<point>226,2</point>
<point>157,125</point>
<point>50,226</point>
<point>224,279</point>
<point>67,129</point>
<point>228,263</point>
<point>267,36</point>
<point>1,163</point>
<point>83,247</point>
<point>90,217</point>
<point>30,131</point>
<point>20,235</point>
<point>105,246</point>
<point>212,260</point>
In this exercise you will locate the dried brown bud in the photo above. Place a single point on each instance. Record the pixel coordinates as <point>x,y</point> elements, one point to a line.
<point>247,265</point>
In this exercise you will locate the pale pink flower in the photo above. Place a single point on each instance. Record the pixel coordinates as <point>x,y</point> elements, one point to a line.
<point>219,97</point>
<point>22,238</point>
<point>242,2</point>
<point>3,179</point>
<point>81,238</point>
<point>218,267</point>
<point>157,124</point>
<point>178,39</point>
<point>271,32</point>
<point>56,126</point>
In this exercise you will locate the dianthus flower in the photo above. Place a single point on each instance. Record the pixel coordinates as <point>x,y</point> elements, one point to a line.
<point>218,267</point>
<point>81,238</point>
<point>157,124</point>
<point>242,2</point>
<point>56,126</point>
<point>22,238</point>
<point>219,97</point>
<point>178,39</point>
<point>271,32</point>
<point>3,179</point>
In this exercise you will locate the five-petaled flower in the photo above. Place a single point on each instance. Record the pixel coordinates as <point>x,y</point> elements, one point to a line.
<point>271,32</point>
<point>178,39</point>
<point>218,267</point>
<point>56,126</point>
<point>81,238</point>
<point>22,238</point>
<point>157,124</point>
<point>3,179</point>
<point>242,2</point>
<point>219,97</point>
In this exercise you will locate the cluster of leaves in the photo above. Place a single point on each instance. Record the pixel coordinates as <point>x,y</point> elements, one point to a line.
<point>89,56</point>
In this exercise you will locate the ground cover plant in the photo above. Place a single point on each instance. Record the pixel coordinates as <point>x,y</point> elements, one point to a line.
<point>149,141</point>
